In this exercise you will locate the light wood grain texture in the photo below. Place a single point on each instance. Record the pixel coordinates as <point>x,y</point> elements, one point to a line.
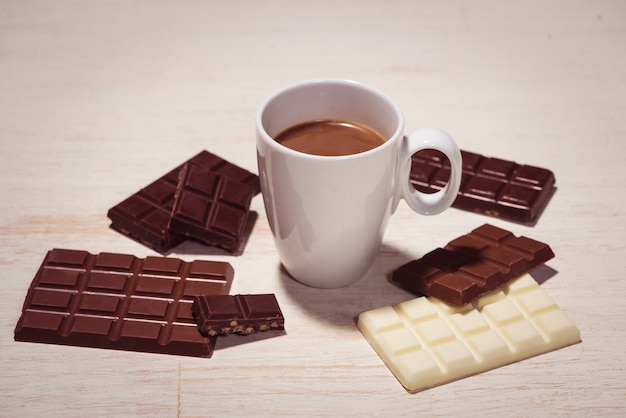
<point>97,98</point>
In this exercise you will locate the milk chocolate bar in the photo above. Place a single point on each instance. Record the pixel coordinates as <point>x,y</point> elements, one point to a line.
<point>472,265</point>
<point>210,208</point>
<point>243,314</point>
<point>426,342</point>
<point>145,215</point>
<point>490,186</point>
<point>121,302</point>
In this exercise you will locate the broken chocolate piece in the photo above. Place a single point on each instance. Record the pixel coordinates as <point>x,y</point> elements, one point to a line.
<point>243,314</point>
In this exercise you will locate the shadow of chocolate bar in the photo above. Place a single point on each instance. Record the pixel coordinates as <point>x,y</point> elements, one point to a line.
<point>472,265</point>
<point>121,302</point>
<point>489,186</point>
<point>145,215</point>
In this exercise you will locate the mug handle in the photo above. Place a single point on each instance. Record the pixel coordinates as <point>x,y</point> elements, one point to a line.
<point>429,203</point>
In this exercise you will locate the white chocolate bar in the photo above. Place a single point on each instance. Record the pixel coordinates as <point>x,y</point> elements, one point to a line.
<point>426,342</point>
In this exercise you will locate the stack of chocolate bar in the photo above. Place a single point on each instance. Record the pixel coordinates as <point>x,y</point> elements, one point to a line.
<point>206,198</point>
<point>477,309</point>
<point>472,265</point>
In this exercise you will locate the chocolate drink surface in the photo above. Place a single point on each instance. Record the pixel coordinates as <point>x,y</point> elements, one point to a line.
<point>330,138</point>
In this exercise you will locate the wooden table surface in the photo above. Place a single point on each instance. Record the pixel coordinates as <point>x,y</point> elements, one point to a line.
<point>98,98</point>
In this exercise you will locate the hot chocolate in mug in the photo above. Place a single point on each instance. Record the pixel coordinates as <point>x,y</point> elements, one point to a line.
<point>328,205</point>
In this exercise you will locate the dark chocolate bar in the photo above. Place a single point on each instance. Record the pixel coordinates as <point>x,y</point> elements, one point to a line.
<point>243,314</point>
<point>490,186</point>
<point>210,208</point>
<point>118,301</point>
<point>472,265</point>
<point>145,215</point>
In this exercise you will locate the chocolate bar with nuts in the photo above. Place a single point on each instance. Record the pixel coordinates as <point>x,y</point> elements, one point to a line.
<point>243,314</point>
<point>145,215</point>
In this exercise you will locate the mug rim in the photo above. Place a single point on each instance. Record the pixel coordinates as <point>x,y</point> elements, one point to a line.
<point>329,81</point>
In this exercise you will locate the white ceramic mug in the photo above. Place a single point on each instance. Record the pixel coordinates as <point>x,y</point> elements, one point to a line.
<point>328,214</point>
